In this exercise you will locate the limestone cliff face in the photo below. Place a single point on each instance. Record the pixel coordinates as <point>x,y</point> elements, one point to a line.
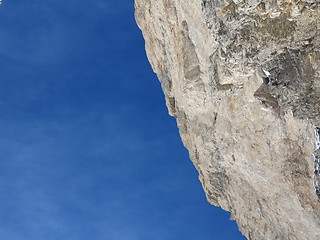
<point>242,79</point>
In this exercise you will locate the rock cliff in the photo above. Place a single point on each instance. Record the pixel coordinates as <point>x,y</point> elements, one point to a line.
<point>242,78</point>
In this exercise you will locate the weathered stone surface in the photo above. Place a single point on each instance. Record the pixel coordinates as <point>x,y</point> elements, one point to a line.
<point>242,79</point>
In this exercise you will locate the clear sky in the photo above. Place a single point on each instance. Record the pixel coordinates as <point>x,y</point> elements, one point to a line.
<point>87,148</point>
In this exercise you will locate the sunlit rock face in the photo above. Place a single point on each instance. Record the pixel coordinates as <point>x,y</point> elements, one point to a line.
<point>242,79</point>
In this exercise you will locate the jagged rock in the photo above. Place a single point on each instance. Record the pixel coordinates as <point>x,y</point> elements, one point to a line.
<point>242,79</point>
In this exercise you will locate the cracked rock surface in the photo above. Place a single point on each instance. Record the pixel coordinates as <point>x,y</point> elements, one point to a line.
<point>242,78</point>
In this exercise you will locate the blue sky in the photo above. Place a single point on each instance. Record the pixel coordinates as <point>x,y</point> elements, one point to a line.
<point>87,148</point>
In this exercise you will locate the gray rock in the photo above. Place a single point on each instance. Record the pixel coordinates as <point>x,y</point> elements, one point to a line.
<point>242,79</point>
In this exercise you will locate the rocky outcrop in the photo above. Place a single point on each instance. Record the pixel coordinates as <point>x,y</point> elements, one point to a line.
<point>242,79</point>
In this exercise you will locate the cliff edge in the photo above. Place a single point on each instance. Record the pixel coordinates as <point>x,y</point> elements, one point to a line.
<point>242,78</point>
